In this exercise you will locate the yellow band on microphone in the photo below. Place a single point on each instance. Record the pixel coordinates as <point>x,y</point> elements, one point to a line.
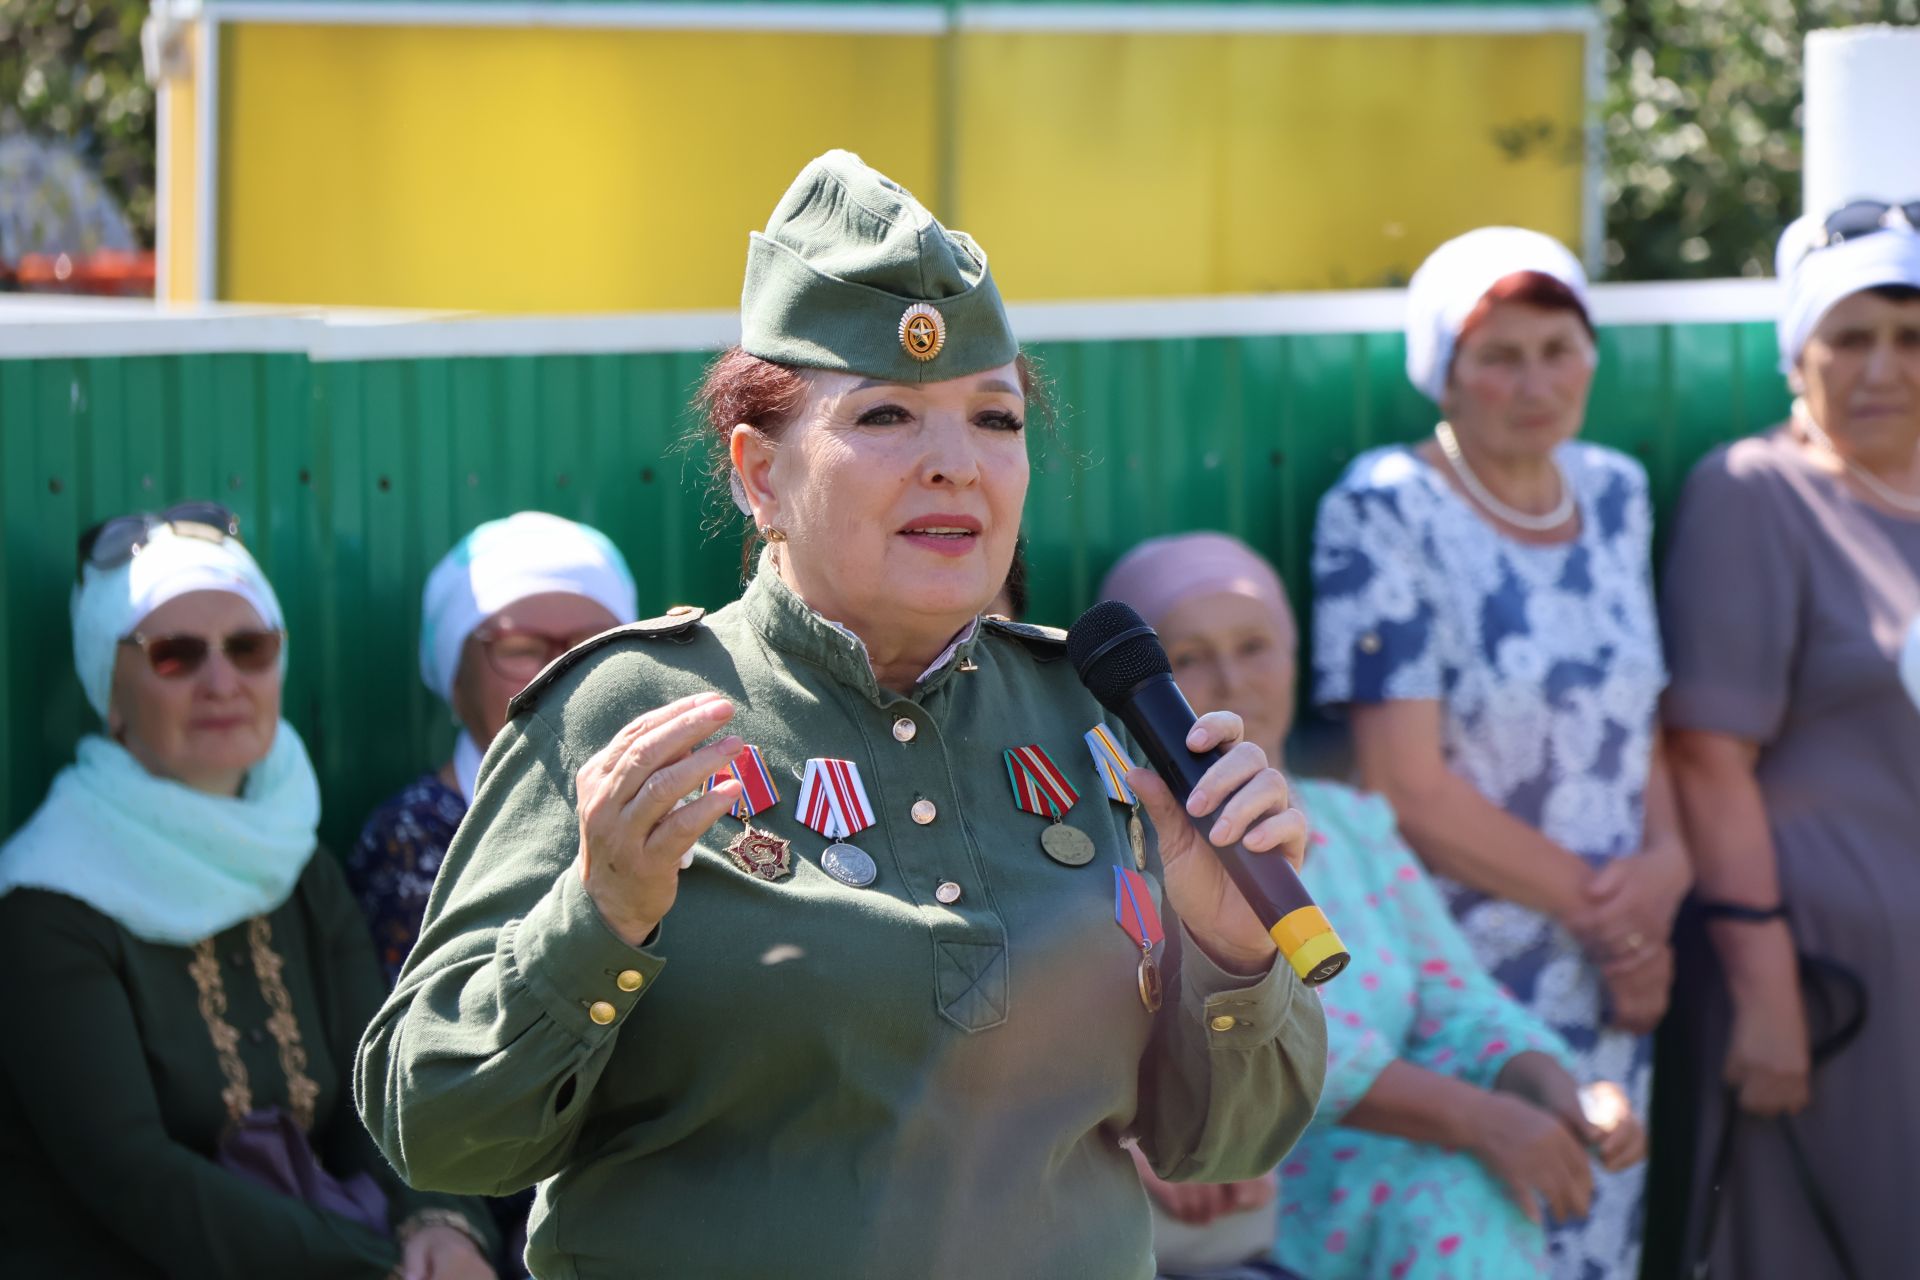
<point>1298,925</point>
<point>1307,940</point>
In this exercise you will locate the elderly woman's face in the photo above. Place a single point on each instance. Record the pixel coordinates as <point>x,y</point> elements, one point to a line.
<point>508,650</point>
<point>1520,380</point>
<point>1229,653</point>
<point>900,504</point>
<point>207,728</point>
<point>1861,371</point>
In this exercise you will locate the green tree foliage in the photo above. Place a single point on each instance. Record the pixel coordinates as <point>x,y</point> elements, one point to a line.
<point>1702,129</point>
<point>71,70</point>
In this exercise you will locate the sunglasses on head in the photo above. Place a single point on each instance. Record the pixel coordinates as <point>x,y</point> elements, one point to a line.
<point>1863,218</point>
<point>112,543</point>
<point>177,657</point>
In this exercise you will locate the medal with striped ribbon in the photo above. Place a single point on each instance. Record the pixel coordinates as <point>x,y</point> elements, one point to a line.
<point>756,852</point>
<point>1111,763</point>
<point>1134,912</point>
<point>1040,788</point>
<point>833,802</point>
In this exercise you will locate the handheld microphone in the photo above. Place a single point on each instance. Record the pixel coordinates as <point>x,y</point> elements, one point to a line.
<point>1119,658</point>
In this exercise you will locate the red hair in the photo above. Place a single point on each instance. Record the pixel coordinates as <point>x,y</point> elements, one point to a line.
<point>741,388</point>
<point>1534,289</point>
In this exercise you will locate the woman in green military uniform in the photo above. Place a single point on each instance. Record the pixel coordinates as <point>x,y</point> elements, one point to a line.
<point>876,1001</point>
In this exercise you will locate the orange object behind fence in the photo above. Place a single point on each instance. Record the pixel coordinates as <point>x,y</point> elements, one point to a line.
<point>110,272</point>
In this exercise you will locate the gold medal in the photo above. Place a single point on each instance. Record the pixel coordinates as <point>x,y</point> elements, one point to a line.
<point>1040,788</point>
<point>1068,846</point>
<point>1134,912</point>
<point>1137,837</point>
<point>761,853</point>
<point>1149,981</point>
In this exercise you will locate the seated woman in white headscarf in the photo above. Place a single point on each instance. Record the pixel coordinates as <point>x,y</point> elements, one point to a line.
<point>185,976</point>
<point>1792,611</point>
<point>510,597</point>
<point>1450,1125</point>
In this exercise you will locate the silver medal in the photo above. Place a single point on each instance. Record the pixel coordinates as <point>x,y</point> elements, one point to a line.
<point>849,864</point>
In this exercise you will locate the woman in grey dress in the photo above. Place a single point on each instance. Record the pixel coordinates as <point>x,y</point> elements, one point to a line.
<point>1792,613</point>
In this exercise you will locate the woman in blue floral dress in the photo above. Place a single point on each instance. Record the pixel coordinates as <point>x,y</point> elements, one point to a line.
<point>1484,613</point>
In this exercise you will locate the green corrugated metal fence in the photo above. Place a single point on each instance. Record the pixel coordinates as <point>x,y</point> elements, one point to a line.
<point>351,477</point>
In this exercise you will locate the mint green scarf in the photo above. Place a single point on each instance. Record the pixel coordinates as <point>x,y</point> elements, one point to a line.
<point>170,864</point>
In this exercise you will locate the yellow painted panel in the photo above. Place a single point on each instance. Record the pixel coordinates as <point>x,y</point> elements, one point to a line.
<point>591,170</point>
<point>503,169</point>
<point>1136,165</point>
<point>179,227</point>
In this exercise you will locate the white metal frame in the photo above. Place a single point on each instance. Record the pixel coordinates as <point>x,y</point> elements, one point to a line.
<point>42,329</point>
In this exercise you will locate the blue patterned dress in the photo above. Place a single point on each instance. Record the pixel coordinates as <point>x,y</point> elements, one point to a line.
<point>1546,660</point>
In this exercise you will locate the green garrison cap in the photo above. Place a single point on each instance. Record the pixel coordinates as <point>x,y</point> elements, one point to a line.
<point>853,274</point>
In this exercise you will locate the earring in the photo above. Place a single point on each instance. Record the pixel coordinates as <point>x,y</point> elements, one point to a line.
<point>772,534</point>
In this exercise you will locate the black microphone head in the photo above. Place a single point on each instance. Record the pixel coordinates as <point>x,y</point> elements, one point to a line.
<point>1113,650</point>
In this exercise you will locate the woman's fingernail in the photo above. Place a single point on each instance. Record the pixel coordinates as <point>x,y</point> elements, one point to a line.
<point>1196,738</point>
<point>1198,802</point>
<point>1219,832</point>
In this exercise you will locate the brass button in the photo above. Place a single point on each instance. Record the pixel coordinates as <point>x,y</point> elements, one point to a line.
<point>1370,642</point>
<point>602,1012</point>
<point>680,611</point>
<point>904,729</point>
<point>629,980</point>
<point>948,892</point>
<point>924,812</point>
<point>1223,1022</point>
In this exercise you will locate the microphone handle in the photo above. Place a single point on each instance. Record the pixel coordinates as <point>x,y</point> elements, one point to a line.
<point>1159,717</point>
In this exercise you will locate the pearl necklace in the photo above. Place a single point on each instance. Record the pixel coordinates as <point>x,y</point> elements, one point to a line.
<point>1562,510</point>
<point>1870,482</point>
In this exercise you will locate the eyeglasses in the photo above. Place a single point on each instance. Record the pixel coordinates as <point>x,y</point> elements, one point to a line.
<point>177,657</point>
<point>1863,218</point>
<point>521,655</point>
<point>112,543</point>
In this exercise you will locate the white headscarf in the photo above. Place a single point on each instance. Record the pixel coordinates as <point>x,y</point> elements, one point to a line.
<point>1451,282</point>
<point>499,564</point>
<point>503,562</point>
<point>110,604</point>
<point>1817,280</point>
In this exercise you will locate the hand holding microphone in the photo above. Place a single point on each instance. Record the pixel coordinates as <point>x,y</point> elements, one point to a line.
<point>1201,763</point>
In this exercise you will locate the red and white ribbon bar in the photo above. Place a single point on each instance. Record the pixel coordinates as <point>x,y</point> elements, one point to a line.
<point>832,799</point>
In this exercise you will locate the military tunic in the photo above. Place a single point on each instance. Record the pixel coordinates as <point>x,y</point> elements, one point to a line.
<point>802,1078</point>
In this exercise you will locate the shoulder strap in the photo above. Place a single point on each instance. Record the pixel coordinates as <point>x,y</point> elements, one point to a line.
<point>1045,643</point>
<point>671,625</point>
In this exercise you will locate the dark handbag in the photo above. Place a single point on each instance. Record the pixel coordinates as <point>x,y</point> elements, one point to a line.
<point>1827,984</point>
<point>269,1149</point>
